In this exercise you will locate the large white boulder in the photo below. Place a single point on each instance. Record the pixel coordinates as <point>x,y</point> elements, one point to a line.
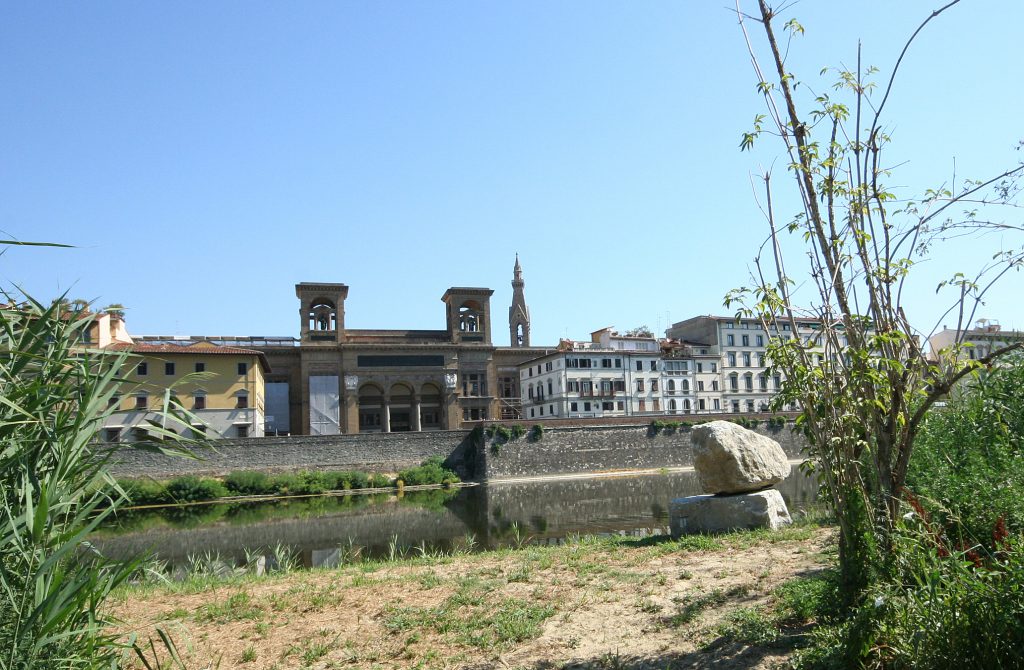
<point>713,514</point>
<point>731,459</point>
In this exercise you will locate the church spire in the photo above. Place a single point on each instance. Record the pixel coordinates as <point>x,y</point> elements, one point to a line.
<point>518,313</point>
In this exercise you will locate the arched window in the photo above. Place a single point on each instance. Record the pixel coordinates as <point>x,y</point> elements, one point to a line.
<point>323,315</point>
<point>686,405</point>
<point>670,386</point>
<point>471,318</point>
<point>686,384</point>
<point>672,406</point>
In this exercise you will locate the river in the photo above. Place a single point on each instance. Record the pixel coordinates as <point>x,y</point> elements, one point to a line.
<point>321,530</point>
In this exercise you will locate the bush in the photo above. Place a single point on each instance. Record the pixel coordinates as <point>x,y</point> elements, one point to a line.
<point>144,491</point>
<point>248,483</point>
<point>190,488</point>
<point>537,432</point>
<point>431,472</point>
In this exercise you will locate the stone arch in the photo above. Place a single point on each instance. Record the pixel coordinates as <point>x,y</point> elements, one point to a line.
<point>400,407</point>
<point>431,403</point>
<point>471,317</point>
<point>323,315</point>
<point>371,408</point>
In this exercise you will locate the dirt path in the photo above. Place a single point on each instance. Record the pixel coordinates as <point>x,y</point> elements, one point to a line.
<point>622,603</point>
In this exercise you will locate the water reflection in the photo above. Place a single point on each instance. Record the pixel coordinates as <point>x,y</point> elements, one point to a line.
<point>328,530</point>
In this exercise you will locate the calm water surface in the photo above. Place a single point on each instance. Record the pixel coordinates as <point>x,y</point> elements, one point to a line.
<point>486,516</point>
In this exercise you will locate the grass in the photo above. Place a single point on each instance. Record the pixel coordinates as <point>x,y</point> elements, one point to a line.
<point>431,609</point>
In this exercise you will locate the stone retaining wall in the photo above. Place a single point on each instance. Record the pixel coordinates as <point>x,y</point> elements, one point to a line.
<point>599,449</point>
<point>561,450</point>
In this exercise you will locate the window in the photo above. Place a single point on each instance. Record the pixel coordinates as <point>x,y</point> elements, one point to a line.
<point>700,386</point>
<point>654,386</point>
<point>586,407</point>
<point>200,367</point>
<point>670,385</point>
<point>732,359</point>
<point>717,406</point>
<point>141,401</point>
<point>607,406</point>
<point>763,382</point>
<point>242,368</point>
<point>531,370</point>
<point>748,382</point>
<point>142,369</point>
<point>547,366</point>
<point>729,325</point>
<point>242,401</point>
<point>714,385</point>
<point>586,388</point>
<point>643,405</point>
<point>778,382</point>
<point>573,387</point>
<point>112,435</point>
<point>700,367</point>
<point>606,388</point>
<point>573,407</point>
<point>746,340</point>
<point>549,388</point>
<point>746,359</point>
<point>618,362</point>
<point>639,366</point>
<point>734,382</point>
<point>542,410</point>
<point>242,431</point>
<point>654,366</point>
<point>639,385</point>
<point>686,405</point>
<point>686,385</point>
<point>750,405</point>
<point>700,404</point>
<point>759,340</point>
<point>672,406</point>
<point>730,340</point>
<point>551,409</point>
<point>529,392</point>
<point>657,404</point>
<point>168,368</point>
<point>619,385</point>
<point>736,406</point>
<point>714,367</point>
<point>620,405</point>
<point>199,401</point>
<point>606,362</point>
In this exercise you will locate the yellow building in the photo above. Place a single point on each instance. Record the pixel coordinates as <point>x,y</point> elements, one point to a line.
<point>222,386</point>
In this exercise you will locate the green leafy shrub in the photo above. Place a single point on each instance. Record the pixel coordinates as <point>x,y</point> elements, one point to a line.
<point>247,483</point>
<point>345,480</point>
<point>144,491</point>
<point>431,472</point>
<point>537,432</point>
<point>518,430</point>
<point>189,488</point>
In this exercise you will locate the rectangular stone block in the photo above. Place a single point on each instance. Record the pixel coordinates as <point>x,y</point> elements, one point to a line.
<point>718,513</point>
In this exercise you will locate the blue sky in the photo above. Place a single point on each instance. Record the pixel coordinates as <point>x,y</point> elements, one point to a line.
<point>205,157</point>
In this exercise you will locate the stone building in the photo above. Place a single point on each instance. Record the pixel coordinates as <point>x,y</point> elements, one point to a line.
<point>334,379</point>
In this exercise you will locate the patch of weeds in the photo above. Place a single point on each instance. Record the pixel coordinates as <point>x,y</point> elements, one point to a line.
<point>178,613</point>
<point>685,574</point>
<point>648,606</point>
<point>473,621</point>
<point>520,574</point>
<point>693,605</point>
<point>248,655</point>
<point>428,579</point>
<point>262,628</point>
<point>238,607</point>
<point>750,625</point>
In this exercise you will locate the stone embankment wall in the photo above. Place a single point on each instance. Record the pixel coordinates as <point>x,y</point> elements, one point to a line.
<point>369,452</point>
<point>599,449</point>
<point>560,450</point>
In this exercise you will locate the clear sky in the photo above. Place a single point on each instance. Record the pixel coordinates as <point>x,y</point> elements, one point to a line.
<point>204,157</point>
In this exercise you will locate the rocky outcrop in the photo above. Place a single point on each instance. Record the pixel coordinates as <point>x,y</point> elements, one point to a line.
<point>731,459</point>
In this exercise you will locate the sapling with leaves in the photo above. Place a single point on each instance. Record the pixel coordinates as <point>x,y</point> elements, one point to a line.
<point>861,377</point>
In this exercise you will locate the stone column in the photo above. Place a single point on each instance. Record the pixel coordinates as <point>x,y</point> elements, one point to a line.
<point>416,421</point>
<point>386,418</point>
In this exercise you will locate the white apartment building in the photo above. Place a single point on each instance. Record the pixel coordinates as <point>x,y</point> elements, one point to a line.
<point>611,375</point>
<point>738,348</point>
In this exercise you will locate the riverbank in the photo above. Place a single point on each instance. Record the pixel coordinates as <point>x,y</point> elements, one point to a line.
<point>615,602</point>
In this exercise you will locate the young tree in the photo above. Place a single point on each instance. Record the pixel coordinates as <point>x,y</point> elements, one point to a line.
<point>862,379</point>
<point>639,331</point>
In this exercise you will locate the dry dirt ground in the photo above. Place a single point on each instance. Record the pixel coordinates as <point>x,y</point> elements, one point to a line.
<point>623,603</point>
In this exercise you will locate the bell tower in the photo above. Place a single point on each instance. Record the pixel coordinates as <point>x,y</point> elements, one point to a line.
<point>518,313</point>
